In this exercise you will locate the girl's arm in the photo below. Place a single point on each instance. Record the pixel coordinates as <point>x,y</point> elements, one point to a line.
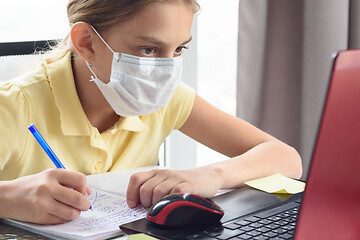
<point>252,154</point>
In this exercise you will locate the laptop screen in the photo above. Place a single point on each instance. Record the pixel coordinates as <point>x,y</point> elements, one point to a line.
<point>331,203</point>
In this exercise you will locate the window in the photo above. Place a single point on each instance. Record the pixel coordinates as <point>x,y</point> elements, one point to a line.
<point>23,20</point>
<point>210,67</point>
<point>217,61</point>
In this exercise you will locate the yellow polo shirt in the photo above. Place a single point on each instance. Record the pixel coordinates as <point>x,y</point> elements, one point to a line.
<point>47,98</point>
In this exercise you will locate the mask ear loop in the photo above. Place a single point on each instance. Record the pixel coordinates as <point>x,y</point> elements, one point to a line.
<point>102,39</point>
<point>89,65</point>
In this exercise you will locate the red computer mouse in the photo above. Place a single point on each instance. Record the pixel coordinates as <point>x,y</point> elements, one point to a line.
<point>183,209</point>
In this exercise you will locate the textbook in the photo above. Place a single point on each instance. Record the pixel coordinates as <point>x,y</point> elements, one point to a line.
<point>110,210</point>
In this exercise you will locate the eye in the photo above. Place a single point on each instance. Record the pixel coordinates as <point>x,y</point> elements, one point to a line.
<point>178,50</point>
<point>148,51</point>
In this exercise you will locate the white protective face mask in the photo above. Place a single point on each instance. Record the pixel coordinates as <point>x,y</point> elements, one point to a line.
<point>139,85</point>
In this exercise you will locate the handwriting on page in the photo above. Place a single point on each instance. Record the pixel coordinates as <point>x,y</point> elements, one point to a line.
<point>109,212</point>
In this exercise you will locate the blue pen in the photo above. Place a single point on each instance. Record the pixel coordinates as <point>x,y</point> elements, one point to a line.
<point>46,147</point>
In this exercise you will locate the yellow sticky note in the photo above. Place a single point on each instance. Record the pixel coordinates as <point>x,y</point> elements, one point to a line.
<point>139,236</point>
<point>277,184</point>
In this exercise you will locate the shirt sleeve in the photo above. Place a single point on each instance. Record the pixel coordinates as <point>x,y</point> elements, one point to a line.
<point>179,107</point>
<point>14,116</point>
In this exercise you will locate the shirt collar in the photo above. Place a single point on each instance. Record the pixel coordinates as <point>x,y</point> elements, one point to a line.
<point>130,123</point>
<point>73,118</point>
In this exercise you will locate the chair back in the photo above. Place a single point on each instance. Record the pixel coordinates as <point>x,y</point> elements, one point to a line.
<point>17,58</point>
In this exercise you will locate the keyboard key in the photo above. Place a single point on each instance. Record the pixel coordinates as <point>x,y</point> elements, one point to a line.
<point>254,233</point>
<point>261,238</point>
<point>232,226</point>
<point>247,228</point>
<point>274,218</point>
<point>290,219</point>
<point>288,227</point>
<point>263,229</point>
<point>270,234</point>
<point>252,219</point>
<point>265,221</point>
<point>256,225</point>
<point>272,226</point>
<point>279,230</point>
<point>281,223</point>
<point>242,222</point>
<point>244,236</point>
<point>292,232</point>
<point>283,215</point>
<point>286,236</point>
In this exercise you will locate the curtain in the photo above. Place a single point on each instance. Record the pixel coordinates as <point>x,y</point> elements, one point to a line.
<point>285,50</point>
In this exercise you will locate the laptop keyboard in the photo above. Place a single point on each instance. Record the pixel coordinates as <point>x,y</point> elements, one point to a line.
<point>275,223</point>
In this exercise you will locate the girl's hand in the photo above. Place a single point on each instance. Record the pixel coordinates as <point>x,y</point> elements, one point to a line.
<point>50,197</point>
<point>149,187</point>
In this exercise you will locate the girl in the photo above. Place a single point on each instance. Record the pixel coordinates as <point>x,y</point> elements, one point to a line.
<point>105,100</point>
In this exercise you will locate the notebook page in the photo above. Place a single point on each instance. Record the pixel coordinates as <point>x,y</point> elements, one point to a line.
<point>109,212</point>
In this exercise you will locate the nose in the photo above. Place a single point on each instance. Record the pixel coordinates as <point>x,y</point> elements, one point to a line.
<point>167,54</point>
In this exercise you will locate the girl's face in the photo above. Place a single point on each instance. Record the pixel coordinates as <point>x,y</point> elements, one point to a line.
<point>160,30</point>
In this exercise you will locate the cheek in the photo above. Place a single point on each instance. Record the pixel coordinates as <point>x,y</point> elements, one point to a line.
<point>102,66</point>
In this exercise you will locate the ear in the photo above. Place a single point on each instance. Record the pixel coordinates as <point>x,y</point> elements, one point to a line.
<point>82,40</point>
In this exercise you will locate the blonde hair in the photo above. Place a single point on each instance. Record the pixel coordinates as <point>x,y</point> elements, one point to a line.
<point>103,14</point>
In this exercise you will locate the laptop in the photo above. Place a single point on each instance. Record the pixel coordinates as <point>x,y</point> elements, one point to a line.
<point>330,206</point>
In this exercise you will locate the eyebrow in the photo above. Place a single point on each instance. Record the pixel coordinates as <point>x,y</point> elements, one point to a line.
<point>187,41</point>
<point>159,42</point>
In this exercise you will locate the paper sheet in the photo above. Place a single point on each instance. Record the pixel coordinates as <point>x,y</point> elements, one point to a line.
<point>115,182</point>
<point>277,184</point>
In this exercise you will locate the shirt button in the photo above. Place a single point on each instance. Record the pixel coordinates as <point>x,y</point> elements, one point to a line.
<point>98,166</point>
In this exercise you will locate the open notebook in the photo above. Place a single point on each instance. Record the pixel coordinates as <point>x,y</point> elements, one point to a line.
<point>109,210</point>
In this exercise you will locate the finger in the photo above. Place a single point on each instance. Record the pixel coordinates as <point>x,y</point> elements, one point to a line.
<point>48,219</point>
<point>133,190</point>
<point>73,179</point>
<point>163,189</point>
<point>51,220</point>
<point>147,189</point>
<point>183,187</point>
<point>88,190</point>
<point>71,198</point>
<point>63,211</point>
